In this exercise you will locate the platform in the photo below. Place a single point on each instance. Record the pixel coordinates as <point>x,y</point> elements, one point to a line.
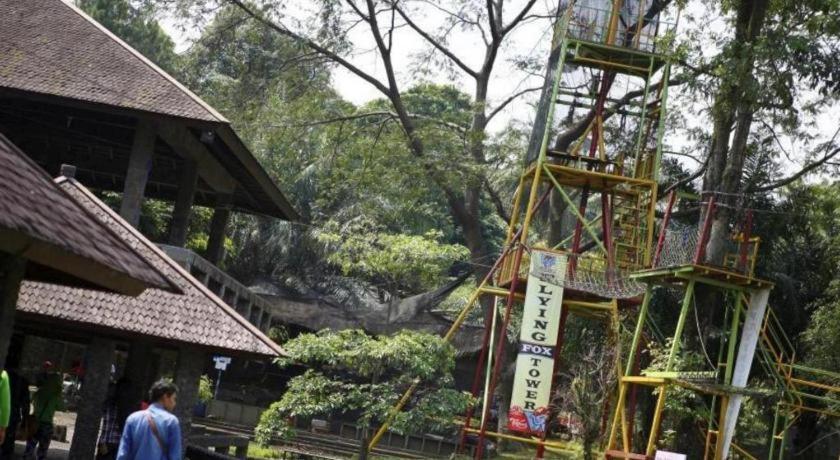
<point>703,274</point>
<point>596,181</point>
<point>613,58</point>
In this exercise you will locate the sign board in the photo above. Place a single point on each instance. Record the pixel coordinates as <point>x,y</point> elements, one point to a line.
<point>221,362</point>
<point>665,455</point>
<point>537,342</point>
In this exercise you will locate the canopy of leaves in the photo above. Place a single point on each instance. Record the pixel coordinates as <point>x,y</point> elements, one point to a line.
<point>354,373</point>
<point>136,24</point>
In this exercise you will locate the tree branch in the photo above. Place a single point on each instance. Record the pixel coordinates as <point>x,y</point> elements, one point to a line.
<point>439,46</point>
<point>802,172</point>
<point>384,113</point>
<point>518,17</point>
<point>312,44</point>
<point>491,17</point>
<point>509,100</point>
<point>497,201</point>
<point>685,180</point>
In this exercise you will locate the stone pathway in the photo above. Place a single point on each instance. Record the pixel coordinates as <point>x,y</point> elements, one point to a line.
<point>58,450</point>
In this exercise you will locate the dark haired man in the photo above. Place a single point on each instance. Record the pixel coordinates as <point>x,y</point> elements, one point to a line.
<point>154,433</point>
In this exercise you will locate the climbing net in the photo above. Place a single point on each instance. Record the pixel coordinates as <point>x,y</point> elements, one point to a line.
<point>589,273</point>
<point>680,248</point>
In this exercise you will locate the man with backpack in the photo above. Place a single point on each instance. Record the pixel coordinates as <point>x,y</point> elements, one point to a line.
<point>154,433</point>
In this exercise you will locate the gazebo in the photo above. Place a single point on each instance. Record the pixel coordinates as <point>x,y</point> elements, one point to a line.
<point>72,92</point>
<point>45,235</point>
<point>193,323</point>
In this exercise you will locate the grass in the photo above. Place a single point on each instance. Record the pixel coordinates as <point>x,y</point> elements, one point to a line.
<point>259,452</point>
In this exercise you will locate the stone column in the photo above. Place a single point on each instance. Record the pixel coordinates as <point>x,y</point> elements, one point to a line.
<point>139,166</point>
<point>136,373</point>
<point>12,269</point>
<point>94,392</point>
<point>191,363</point>
<point>218,226</point>
<point>188,178</point>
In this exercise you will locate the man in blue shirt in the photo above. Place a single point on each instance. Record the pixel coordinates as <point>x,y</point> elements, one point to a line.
<point>154,433</point>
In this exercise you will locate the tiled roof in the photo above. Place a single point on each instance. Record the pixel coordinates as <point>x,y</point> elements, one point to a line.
<point>51,47</point>
<point>43,224</point>
<point>197,316</point>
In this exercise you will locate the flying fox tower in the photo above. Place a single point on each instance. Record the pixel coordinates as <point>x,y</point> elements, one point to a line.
<point>582,214</point>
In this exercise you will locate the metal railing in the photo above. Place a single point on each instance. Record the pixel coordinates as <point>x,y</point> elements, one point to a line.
<point>629,26</point>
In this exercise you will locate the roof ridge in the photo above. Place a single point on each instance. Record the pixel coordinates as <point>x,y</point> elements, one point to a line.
<point>148,62</point>
<point>174,265</point>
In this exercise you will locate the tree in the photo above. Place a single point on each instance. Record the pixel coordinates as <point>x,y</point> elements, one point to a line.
<point>591,381</point>
<point>353,374</point>
<point>137,26</point>
<point>464,189</point>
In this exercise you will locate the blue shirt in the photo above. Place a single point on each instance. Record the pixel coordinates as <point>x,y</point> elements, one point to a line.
<point>139,443</point>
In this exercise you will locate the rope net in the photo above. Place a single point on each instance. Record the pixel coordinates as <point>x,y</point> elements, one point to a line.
<point>680,248</point>
<point>585,272</point>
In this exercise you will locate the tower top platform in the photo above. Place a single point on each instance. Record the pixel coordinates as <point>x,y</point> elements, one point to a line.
<point>625,36</point>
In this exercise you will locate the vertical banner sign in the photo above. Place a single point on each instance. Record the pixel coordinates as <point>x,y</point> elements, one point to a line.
<point>537,343</point>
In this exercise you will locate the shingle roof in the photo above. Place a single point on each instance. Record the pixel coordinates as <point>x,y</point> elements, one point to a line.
<point>197,316</point>
<point>54,50</point>
<point>43,224</point>
<point>51,47</point>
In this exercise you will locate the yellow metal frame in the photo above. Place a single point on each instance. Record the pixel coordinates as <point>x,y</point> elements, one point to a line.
<point>636,190</point>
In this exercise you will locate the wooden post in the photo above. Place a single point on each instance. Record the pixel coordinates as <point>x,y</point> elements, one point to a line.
<point>218,226</point>
<point>12,269</point>
<point>100,356</point>
<point>183,204</point>
<point>191,363</point>
<point>137,174</point>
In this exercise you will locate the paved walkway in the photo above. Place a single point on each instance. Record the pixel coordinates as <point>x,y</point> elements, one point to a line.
<point>58,450</point>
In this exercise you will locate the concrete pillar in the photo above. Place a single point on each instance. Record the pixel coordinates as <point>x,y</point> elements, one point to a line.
<point>218,226</point>
<point>139,166</point>
<point>187,180</point>
<point>191,363</point>
<point>746,351</point>
<point>100,356</point>
<point>12,269</point>
<point>137,376</point>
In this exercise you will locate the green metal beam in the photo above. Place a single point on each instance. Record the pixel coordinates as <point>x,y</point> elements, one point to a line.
<point>574,209</point>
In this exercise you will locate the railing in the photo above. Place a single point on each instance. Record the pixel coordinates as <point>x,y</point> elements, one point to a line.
<point>252,307</point>
<point>630,26</point>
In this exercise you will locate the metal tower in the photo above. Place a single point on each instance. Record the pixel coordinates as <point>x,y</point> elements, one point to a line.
<point>582,218</point>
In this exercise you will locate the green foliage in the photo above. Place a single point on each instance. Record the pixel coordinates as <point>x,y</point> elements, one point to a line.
<point>260,452</point>
<point>135,24</point>
<point>683,406</point>
<point>205,389</point>
<point>354,373</point>
<point>405,263</point>
<point>823,334</point>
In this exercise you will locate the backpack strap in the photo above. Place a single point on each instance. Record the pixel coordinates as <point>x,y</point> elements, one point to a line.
<point>156,433</point>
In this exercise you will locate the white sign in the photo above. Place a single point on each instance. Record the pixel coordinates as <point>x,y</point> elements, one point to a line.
<point>665,455</point>
<point>221,362</point>
<point>537,342</point>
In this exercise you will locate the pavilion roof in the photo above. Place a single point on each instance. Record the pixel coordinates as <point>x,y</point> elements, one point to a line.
<point>196,317</point>
<point>41,223</point>
<point>51,47</point>
<point>54,53</point>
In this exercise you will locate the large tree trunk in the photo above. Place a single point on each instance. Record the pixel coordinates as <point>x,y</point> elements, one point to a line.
<point>734,106</point>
